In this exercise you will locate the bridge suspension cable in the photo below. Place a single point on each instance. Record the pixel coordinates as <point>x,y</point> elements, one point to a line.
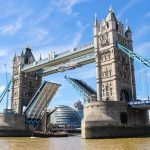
<point>134,55</point>
<point>142,79</point>
<point>147,84</point>
<point>142,61</point>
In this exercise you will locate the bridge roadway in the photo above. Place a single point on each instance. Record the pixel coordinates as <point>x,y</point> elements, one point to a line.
<point>68,58</point>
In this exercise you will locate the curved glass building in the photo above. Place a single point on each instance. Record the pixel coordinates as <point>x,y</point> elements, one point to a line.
<point>64,116</point>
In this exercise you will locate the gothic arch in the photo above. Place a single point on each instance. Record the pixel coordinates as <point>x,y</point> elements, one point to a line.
<point>125,95</point>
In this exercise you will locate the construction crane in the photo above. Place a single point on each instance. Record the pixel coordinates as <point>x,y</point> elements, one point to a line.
<point>5,91</point>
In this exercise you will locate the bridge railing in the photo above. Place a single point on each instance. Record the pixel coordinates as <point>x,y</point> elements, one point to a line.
<point>142,102</point>
<point>81,48</point>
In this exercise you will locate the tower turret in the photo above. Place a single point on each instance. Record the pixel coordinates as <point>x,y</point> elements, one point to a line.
<point>128,32</point>
<point>96,26</point>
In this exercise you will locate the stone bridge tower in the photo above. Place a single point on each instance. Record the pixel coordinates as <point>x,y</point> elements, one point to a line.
<point>110,115</point>
<point>24,85</point>
<point>114,69</point>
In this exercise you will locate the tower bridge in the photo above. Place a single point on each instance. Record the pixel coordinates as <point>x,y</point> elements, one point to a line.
<point>112,110</point>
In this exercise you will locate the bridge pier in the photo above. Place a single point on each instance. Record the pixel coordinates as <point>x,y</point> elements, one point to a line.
<point>108,119</point>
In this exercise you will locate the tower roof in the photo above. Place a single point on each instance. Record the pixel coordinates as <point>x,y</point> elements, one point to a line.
<point>28,56</point>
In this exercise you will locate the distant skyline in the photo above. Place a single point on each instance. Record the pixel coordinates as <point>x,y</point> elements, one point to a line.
<point>59,25</point>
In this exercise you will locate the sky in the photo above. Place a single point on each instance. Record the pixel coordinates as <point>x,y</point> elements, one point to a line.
<point>59,25</point>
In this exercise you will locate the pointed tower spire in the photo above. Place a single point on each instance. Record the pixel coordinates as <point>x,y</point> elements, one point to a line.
<point>110,9</point>
<point>127,26</point>
<point>111,15</point>
<point>95,21</point>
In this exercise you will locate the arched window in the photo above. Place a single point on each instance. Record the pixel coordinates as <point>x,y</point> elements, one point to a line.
<point>124,96</point>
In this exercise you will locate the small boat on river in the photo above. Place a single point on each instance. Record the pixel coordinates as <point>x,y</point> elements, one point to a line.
<point>49,134</point>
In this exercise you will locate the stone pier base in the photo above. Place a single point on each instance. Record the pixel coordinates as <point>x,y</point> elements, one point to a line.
<point>13,125</point>
<point>115,132</point>
<point>105,120</point>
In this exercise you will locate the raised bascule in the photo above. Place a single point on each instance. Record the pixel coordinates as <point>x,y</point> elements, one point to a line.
<point>113,109</point>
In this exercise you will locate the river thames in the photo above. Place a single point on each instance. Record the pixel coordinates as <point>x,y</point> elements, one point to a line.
<point>74,143</point>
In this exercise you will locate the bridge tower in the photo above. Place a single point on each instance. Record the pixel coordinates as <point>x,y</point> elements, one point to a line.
<point>110,115</point>
<point>24,85</point>
<point>115,70</point>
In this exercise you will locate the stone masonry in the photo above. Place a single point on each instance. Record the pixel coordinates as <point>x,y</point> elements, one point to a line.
<point>110,115</point>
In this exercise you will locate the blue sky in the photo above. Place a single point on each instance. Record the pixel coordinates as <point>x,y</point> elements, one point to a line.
<point>58,25</point>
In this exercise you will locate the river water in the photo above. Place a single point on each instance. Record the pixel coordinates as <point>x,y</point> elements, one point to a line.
<point>74,143</point>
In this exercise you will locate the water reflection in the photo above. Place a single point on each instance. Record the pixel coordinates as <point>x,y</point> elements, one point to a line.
<point>74,143</point>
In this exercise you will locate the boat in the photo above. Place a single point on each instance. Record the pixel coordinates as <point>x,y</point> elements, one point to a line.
<point>60,134</point>
<point>49,134</point>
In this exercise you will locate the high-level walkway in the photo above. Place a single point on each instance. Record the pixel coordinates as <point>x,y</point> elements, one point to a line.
<point>54,62</point>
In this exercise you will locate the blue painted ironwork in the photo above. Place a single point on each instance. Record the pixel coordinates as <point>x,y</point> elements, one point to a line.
<point>5,91</point>
<point>140,104</point>
<point>29,121</point>
<point>134,55</point>
<point>86,92</point>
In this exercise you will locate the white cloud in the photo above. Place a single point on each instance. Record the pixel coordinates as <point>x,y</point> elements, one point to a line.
<point>67,5</point>
<point>3,52</point>
<point>12,28</point>
<point>126,7</point>
<point>38,34</point>
<point>74,42</point>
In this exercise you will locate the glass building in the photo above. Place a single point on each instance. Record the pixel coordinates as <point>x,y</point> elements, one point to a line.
<point>65,116</point>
